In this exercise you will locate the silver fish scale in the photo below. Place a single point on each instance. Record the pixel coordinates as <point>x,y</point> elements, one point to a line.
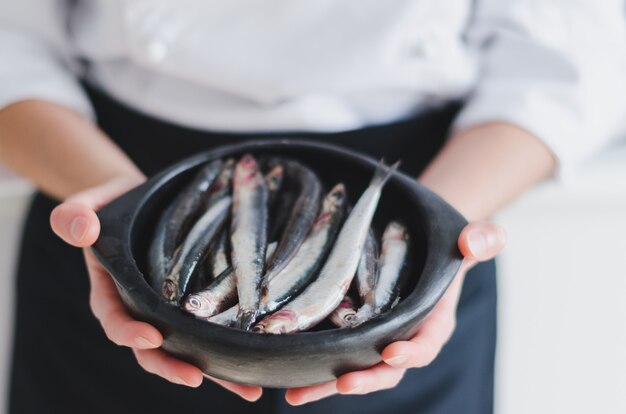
<point>393,258</point>
<point>193,249</point>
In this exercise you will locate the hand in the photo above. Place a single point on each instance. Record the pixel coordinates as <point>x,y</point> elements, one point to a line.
<point>479,241</point>
<point>75,222</point>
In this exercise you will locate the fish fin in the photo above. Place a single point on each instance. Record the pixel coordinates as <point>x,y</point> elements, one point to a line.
<point>383,172</point>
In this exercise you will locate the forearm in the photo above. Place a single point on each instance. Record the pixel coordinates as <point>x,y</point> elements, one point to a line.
<point>481,169</point>
<point>61,152</point>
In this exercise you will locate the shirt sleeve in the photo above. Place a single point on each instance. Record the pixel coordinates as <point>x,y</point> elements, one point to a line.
<point>553,67</point>
<point>35,55</point>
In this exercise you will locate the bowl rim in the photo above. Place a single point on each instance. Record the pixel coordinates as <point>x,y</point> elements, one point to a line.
<point>442,224</point>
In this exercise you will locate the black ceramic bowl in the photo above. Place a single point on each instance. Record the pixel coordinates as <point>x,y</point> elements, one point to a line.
<point>284,360</point>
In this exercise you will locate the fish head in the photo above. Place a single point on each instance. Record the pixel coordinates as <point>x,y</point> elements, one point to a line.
<point>246,170</point>
<point>349,316</point>
<point>199,305</point>
<point>281,322</point>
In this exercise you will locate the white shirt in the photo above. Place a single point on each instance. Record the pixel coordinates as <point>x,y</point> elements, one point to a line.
<point>554,67</point>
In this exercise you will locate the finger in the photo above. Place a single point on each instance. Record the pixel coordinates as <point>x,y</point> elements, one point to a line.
<point>379,377</point>
<point>109,309</point>
<point>303,395</point>
<point>247,392</point>
<point>75,220</point>
<point>159,363</point>
<point>437,329</point>
<point>422,349</point>
<point>481,240</point>
<point>77,224</point>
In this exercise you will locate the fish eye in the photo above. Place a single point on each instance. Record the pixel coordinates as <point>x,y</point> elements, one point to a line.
<point>195,302</point>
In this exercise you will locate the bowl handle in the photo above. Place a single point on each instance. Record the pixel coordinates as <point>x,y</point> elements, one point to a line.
<point>112,248</point>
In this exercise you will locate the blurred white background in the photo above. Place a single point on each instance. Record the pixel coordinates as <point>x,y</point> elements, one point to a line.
<point>562,282</point>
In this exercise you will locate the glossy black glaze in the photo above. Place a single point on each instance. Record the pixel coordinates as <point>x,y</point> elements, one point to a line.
<point>284,360</point>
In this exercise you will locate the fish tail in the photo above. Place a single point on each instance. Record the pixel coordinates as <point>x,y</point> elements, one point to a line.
<point>383,172</point>
<point>246,319</point>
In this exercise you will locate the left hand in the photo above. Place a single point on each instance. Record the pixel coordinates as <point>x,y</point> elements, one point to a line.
<point>478,242</point>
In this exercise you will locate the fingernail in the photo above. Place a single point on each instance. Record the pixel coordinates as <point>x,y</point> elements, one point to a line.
<point>145,343</point>
<point>397,360</point>
<point>252,398</point>
<point>78,228</point>
<point>180,381</point>
<point>477,243</point>
<point>354,390</point>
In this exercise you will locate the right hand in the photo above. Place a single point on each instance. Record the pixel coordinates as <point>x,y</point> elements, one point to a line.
<point>75,221</point>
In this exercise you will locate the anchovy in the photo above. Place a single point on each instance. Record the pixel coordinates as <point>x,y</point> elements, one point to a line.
<point>176,221</point>
<point>219,295</point>
<point>248,237</point>
<point>392,262</point>
<point>217,260</point>
<point>310,256</point>
<point>325,293</point>
<point>190,254</point>
<point>302,216</point>
<point>344,315</point>
<point>223,183</point>
<point>367,271</point>
<point>158,259</point>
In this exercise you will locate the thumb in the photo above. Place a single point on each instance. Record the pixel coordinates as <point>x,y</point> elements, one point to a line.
<point>481,241</point>
<point>75,223</point>
<point>75,220</point>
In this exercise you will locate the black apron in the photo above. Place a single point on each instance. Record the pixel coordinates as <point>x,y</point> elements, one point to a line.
<point>63,362</point>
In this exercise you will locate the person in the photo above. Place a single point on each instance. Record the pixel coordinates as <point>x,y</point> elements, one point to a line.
<point>481,100</point>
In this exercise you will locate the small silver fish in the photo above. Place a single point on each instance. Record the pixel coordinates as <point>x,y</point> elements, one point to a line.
<point>344,315</point>
<point>222,185</point>
<point>303,213</point>
<point>158,259</point>
<point>190,254</point>
<point>248,237</point>
<point>310,255</point>
<point>177,219</point>
<point>325,293</point>
<point>392,261</point>
<point>218,259</point>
